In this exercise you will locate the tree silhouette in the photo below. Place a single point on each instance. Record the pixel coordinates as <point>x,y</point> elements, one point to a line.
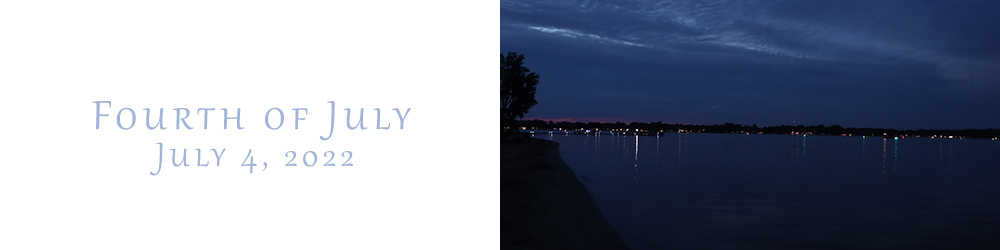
<point>517,90</point>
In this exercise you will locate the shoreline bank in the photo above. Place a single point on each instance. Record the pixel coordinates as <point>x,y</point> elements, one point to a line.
<point>544,206</point>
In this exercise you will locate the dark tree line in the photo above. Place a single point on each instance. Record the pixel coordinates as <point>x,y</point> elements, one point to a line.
<point>517,95</point>
<point>517,92</point>
<point>647,128</point>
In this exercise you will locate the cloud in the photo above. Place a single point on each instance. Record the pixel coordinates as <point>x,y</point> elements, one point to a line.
<point>575,34</point>
<point>768,54</point>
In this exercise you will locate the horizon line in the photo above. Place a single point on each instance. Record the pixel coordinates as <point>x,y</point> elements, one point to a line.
<point>616,120</point>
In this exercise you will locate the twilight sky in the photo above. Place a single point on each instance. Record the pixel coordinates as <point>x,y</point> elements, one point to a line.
<point>888,64</point>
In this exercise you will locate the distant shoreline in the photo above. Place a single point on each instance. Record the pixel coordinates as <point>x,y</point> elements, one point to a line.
<point>544,206</point>
<point>641,128</point>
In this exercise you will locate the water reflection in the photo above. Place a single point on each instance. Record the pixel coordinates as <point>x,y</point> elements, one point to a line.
<point>711,191</point>
<point>681,148</point>
<point>597,146</point>
<point>883,155</point>
<point>798,148</point>
<point>657,162</point>
<point>635,165</point>
<point>624,151</point>
<point>895,154</point>
<point>726,152</point>
<point>714,150</point>
<point>940,152</point>
<point>637,148</point>
<point>950,155</point>
<point>863,139</point>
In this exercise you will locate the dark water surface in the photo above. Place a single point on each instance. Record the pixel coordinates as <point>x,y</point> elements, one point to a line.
<point>737,191</point>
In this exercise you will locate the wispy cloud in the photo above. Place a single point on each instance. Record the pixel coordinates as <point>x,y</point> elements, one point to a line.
<point>812,52</point>
<point>581,35</point>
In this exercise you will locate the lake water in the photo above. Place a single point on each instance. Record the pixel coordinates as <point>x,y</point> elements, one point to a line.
<point>738,191</point>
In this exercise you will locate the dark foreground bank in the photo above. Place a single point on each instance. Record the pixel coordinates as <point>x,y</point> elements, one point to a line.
<point>544,206</point>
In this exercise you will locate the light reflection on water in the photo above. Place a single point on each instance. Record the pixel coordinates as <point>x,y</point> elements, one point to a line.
<point>723,191</point>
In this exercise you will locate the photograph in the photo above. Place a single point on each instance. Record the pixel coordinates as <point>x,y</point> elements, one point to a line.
<point>730,124</point>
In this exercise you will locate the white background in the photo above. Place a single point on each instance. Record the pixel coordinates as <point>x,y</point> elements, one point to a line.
<point>65,184</point>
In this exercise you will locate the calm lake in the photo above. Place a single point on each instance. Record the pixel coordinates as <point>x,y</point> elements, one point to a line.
<point>738,191</point>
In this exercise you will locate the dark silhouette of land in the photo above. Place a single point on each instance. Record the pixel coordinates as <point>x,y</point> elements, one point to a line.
<point>542,203</point>
<point>544,206</point>
<point>658,127</point>
<point>517,92</point>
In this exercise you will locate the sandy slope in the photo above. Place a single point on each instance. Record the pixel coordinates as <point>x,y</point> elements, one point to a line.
<point>544,206</point>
